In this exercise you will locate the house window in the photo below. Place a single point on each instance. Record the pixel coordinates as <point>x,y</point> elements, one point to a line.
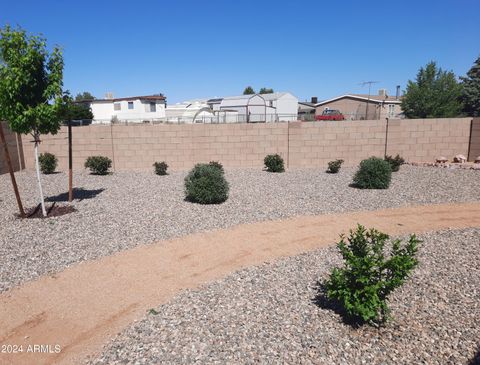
<point>271,103</point>
<point>153,107</point>
<point>117,106</point>
<point>130,105</point>
<point>391,110</point>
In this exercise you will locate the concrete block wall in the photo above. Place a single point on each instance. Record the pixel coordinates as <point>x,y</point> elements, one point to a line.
<point>424,140</point>
<point>302,144</point>
<point>15,149</point>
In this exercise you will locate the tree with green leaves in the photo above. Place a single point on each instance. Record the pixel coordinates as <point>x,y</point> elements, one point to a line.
<point>471,90</point>
<point>265,90</point>
<point>248,91</point>
<point>74,110</point>
<point>31,80</point>
<point>84,96</point>
<point>434,94</point>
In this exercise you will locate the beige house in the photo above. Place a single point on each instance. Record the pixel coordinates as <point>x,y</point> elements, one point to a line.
<point>360,106</point>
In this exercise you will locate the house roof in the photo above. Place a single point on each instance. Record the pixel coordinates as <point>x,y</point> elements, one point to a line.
<point>363,97</point>
<point>129,98</point>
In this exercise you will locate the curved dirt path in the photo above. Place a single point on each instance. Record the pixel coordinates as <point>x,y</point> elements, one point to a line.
<point>81,308</point>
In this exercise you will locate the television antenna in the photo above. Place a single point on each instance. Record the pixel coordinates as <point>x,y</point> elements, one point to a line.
<point>369,83</point>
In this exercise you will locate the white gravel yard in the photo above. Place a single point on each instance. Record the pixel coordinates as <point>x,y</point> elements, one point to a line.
<point>125,209</point>
<point>268,314</point>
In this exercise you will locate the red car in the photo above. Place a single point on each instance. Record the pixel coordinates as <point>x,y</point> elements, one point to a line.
<point>330,114</point>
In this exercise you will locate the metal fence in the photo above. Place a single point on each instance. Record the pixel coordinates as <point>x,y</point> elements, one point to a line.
<point>220,118</point>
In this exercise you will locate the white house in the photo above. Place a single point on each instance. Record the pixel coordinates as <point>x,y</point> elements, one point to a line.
<point>134,109</point>
<point>274,107</point>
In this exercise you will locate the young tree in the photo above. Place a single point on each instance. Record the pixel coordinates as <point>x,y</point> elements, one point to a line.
<point>471,90</point>
<point>84,96</point>
<point>31,80</point>
<point>264,90</point>
<point>248,91</point>
<point>434,94</point>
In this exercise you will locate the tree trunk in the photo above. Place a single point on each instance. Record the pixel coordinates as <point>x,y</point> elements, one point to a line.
<point>37,167</point>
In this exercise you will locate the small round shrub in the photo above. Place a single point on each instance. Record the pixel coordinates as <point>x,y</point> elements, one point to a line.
<point>274,163</point>
<point>334,166</point>
<point>48,162</point>
<point>374,173</point>
<point>160,168</point>
<point>98,165</point>
<point>395,162</point>
<point>206,184</point>
<point>217,164</point>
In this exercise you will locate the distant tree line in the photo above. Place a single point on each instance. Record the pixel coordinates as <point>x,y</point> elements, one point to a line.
<point>436,93</point>
<point>250,91</point>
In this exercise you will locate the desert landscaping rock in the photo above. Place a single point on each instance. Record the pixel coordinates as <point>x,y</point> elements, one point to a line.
<point>119,211</point>
<point>270,314</point>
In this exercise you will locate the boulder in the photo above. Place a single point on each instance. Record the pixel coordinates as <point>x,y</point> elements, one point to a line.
<point>441,159</point>
<point>460,159</point>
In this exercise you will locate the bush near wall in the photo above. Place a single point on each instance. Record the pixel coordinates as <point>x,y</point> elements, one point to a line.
<point>98,165</point>
<point>206,184</point>
<point>274,163</point>
<point>48,162</point>
<point>160,168</point>
<point>373,173</point>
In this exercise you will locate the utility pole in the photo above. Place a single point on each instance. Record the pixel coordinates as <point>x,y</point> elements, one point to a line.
<point>369,91</point>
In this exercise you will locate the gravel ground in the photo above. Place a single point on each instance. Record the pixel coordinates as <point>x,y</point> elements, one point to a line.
<point>267,314</point>
<point>125,209</point>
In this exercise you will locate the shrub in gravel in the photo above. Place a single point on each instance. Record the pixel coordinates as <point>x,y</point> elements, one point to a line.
<point>48,162</point>
<point>334,166</point>
<point>160,168</point>
<point>98,165</point>
<point>206,184</point>
<point>274,163</point>
<point>395,162</point>
<point>374,173</point>
<point>362,286</point>
<point>217,164</point>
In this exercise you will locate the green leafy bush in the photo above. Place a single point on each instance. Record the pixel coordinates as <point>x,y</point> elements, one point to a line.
<point>206,184</point>
<point>362,286</point>
<point>274,163</point>
<point>98,165</point>
<point>48,162</point>
<point>160,168</point>
<point>217,164</point>
<point>395,162</point>
<point>374,173</point>
<point>334,166</point>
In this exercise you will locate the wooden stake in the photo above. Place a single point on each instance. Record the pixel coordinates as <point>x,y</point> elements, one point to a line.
<point>70,163</point>
<point>12,175</point>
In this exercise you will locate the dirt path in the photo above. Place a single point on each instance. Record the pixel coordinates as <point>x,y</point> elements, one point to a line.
<point>81,308</point>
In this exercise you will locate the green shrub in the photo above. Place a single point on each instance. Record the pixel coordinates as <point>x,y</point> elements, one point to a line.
<point>98,165</point>
<point>274,163</point>
<point>206,184</point>
<point>48,162</point>
<point>362,286</point>
<point>395,162</point>
<point>374,173</point>
<point>334,166</point>
<point>217,164</point>
<point>160,168</point>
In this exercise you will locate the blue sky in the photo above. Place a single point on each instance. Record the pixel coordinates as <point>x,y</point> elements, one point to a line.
<point>194,49</point>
